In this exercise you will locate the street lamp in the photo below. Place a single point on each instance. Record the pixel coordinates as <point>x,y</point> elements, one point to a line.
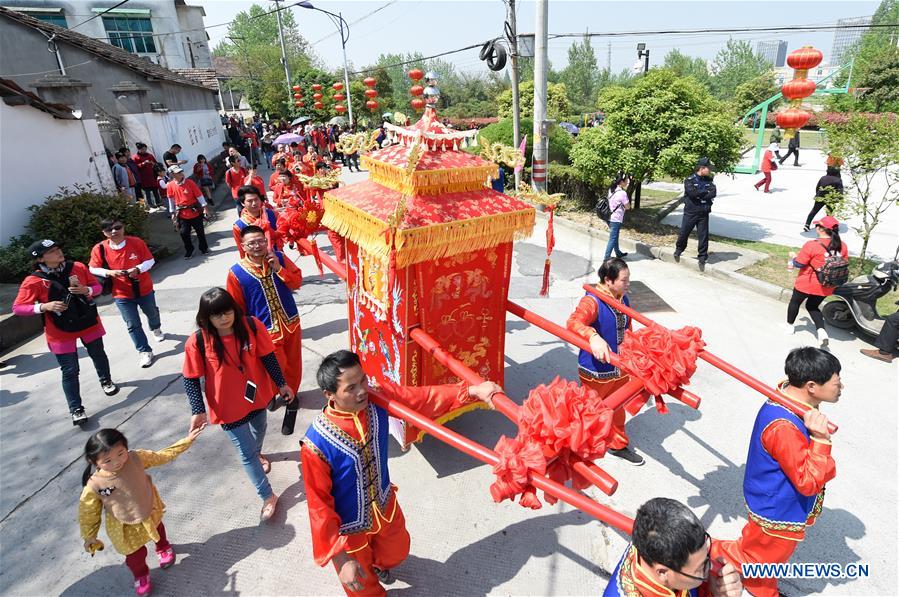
<point>344,28</point>
<point>642,52</point>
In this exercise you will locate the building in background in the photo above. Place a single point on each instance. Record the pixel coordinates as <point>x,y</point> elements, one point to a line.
<point>785,73</point>
<point>117,97</point>
<point>847,34</point>
<point>166,32</point>
<point>774,51</point>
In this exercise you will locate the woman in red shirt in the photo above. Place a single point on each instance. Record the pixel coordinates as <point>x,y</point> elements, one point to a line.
<point>60,291</point>
<point>236,357</point>
<point>767,167</point>
<point>234,178</point>
<point>807,287</point>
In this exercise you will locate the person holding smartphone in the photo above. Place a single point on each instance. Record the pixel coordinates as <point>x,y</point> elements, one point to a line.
<point>235,356</point>
<point>262,283</point>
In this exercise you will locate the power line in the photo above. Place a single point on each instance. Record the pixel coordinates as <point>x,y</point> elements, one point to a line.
<point>379,66</point>
<point>787,28</point>
<point>359,20</point>
<point>99,14</point>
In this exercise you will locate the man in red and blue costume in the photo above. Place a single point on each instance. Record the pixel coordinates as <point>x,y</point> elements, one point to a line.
<point>788,464</point>
<point>356,522</point>
<point>671,556</point>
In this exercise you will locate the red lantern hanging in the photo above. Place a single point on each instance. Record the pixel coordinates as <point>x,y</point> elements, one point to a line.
<point>798,88</point>
<point>340,108</point>
<point>316,87</point>
<point>371,105</point>
<point>792,118</point>
<point>317,96</point>
<point>371,93</point>
<point>418,104</point>
<point>300,103</point>
<point>417,90</point>
<point>296,87</point>
<point>337,86</point>
<point>804,58</point>
<point>297,96</point>
<point>369,81</point>
<point>339,97</point>
<point>416,74</point>
<point>318,105</point>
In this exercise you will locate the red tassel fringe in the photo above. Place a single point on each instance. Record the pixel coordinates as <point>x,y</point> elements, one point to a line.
<point>544,290</point>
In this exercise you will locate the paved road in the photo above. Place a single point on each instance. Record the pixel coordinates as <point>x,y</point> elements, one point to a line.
<point>742,212</point>
<point>463,544</point>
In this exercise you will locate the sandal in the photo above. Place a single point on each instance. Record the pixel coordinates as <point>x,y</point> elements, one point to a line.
<point>266,465</point>
<point>268,508</point>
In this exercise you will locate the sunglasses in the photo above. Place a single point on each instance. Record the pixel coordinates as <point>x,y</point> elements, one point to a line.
<point>115,228</point>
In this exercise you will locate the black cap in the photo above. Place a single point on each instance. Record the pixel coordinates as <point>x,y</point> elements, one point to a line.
<point>39,247</point>
<point>703,162</point>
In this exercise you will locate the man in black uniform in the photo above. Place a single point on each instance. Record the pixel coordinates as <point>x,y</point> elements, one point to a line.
<point>699,193</point>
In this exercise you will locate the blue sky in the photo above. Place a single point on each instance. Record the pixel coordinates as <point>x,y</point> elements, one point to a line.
<point>433,26</point>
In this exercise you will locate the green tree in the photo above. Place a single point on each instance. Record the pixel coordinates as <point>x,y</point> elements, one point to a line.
<point>753,92</point>
<point>557,104</point>
<point>580,76</point>
<point>657,127</point>
<point>687,66</point>
<point>880,79</point>
<point>252,45</point>
<point>734,64</point>
<point>870,152</point>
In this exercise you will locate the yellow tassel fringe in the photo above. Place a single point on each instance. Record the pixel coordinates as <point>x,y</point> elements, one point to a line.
<point>429,182</point>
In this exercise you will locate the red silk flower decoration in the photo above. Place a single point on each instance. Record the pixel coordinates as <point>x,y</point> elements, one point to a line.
<point>663,359</point>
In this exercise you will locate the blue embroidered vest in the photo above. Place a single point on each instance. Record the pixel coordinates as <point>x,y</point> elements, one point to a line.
<point>359,474</point>
<point>622,584</point>
<point>773,501</point>
<point>266,295</point>
<point>610,324</point>
<point>270,216</point>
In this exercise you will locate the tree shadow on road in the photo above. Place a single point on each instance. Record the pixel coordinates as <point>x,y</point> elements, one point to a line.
<point>203,568</point>
<point>480,567</point>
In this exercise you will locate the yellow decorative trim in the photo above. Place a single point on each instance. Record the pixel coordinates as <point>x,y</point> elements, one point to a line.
<point>476,405</point>
<point>426,243</point>
<point>429,182</point>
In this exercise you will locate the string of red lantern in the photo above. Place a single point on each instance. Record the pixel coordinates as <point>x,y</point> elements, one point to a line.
<point>371,93</point>
<point>417,103</point>
<point>797,89</point>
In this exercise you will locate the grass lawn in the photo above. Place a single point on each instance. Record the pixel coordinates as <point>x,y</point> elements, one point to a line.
<point>642,225</point>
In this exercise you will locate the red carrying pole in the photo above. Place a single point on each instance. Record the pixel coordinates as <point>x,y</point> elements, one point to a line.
<point>331,263</point>
<point>797,408</point>
<point>590,471</point>
<point>487,456</point>
<point>567,335</point>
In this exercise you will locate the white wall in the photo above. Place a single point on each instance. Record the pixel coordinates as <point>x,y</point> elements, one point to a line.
<point>28,174</point>
<point>196,131</point>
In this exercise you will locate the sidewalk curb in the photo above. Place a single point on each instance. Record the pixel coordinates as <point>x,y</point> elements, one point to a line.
<point>667,254</point>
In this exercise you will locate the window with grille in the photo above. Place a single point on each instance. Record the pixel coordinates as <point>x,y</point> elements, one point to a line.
<point>54,19</point>
<point>132,34</point>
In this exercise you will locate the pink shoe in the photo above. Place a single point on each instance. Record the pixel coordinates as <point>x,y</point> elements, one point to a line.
<point>166,556</point>
<point>143,586</point>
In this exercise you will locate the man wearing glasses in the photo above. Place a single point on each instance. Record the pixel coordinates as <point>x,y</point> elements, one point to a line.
<point>125,262</point>
<point>262,283</point>
<point>671,555</point>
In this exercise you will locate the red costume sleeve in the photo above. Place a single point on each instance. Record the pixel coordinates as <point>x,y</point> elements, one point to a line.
<point>323,519</point>
<point>808,466</point>
<point>580,322</point>
<point>431,401</point>
<point>236,290</point>
<point>290,274</point>
<point>236,232</point>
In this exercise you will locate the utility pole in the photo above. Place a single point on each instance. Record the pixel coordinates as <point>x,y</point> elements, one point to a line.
<point>283,53</point>
<point>541,141</point>
<point>512,36</point>
<point>609,58</point>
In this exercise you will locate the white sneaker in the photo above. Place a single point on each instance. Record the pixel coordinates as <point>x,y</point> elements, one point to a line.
<point>146,359</point>
<point>158,335</point>
<point>823,338</point>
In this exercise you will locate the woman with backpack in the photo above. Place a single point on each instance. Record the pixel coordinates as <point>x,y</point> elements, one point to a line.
<point>823,265</point>
<point>235,356</point>
<point>618,204</point>
<point>61,292</point>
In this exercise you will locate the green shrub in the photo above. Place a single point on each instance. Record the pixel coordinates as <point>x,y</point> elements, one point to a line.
<point>15,262</point>
<point>580,195</point>
<point>72,218</point>
<point>560,140</point>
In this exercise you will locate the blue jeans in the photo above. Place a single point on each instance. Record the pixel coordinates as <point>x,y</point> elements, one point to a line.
<point>614,229</point>
<point>68,363</point>
<point>248,440</point>
<point>128,309</point>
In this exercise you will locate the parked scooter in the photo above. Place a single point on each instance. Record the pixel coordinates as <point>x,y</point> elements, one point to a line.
<point>855,303</point>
